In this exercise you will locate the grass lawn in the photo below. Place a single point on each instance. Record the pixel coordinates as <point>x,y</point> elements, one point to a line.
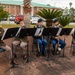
<point>8,26</point>
<point>17,25</point>
<point>70,26</point>
<point>12,25</point>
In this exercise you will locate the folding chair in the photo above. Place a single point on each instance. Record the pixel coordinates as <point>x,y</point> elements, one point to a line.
<point>35,44</point>
<point>3,51</point>
<point>72,50</point>
<point>15,51</point>
<point>51,46</point>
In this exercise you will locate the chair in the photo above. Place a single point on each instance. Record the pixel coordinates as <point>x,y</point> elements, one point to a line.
<point>35,44</point>
<point>3,51</point>
<point>72,50</point>
<point>15,52</point>
<point>51,46</point>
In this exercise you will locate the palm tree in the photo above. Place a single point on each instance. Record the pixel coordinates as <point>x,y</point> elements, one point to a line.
<point>49,15</point>
<point>27,11</point>
<point>64,20</point>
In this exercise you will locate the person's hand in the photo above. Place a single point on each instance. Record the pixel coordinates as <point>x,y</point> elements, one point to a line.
<point>56,38</point>
<point>39,34</point>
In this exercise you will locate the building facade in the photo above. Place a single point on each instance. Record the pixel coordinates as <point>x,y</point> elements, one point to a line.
<point>11,9</point>
<point>16,7</point>
<point>35,7</point>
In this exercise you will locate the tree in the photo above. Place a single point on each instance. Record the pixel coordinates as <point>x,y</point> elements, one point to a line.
<point>48,4</point>
<point>66,11</point>
<point>64,20</point>
<point>3,14</point>
<point>72,12</point>
<point>49,14</point>
<point>27,11</point>
<point>70,4</point>
<point>69,12</point>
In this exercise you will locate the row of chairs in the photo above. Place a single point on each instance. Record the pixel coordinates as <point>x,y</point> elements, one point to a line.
<point>72,50</point>
<point>3,51</point>
<point>35,44</point>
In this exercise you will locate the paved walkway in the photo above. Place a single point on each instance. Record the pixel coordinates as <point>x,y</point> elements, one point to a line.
<point>39,65</point>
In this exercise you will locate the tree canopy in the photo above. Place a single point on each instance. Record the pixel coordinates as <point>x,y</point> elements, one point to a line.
<point>3,14</point>
<point>49,14</point>
<point>64,20</point>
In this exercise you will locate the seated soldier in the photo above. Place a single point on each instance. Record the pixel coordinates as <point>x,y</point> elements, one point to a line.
<point>73,35</point>
<point>20,41</point>
<point>73,42</point>
<point>42,42</point>
<point>4,46</point>
<point>56,40</point>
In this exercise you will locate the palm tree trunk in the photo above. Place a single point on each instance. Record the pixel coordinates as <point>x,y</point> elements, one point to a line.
<point>48,23</point>
<point>27,20</point>
<point>27,11</point>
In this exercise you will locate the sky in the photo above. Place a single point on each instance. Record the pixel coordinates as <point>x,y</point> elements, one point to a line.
<point>57,3</point>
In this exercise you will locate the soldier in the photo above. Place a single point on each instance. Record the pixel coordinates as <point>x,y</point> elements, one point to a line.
<point>20,41</point>
<point>41,42</point>
<point>55,40</point>
<point>73,43</point>
<point>3,45</point>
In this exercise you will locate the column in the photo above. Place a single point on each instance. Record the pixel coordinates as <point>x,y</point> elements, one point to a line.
<point>21,10</point>
<point>32,11</point>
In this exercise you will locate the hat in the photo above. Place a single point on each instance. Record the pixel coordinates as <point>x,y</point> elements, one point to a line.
<point>55,20</point>
<point>39,20</point>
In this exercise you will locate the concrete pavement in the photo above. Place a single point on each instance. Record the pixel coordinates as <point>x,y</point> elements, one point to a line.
<point>40,65</point>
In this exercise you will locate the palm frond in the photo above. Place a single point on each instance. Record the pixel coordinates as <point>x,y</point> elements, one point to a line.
<point>64,20</point>
<point>49,13</point>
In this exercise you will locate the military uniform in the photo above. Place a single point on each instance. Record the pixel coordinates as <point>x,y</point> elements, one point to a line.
<point>3,45</point>
<point>55,41</point>
<point>73,43</point>
<point>41,42</point>
<point>22,42</point>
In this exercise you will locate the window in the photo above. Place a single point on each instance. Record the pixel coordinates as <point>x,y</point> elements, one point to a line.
<point>12,6</point>
<point>8,6</point>
<point>4,6</point>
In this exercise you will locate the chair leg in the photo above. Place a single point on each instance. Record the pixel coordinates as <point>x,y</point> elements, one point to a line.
<point>24,52</point>
<point>38,50</point>
<point>33,48</point>
<point>14,52</point>
<point>71,49</point>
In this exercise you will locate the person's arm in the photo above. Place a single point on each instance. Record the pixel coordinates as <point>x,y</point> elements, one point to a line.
<point>2,43</point>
